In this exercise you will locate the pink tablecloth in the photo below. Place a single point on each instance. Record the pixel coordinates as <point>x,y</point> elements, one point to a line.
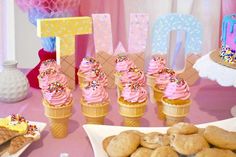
<point>210,102</point>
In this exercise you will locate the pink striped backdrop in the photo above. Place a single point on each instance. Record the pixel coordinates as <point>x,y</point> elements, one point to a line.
<point>85,43</point>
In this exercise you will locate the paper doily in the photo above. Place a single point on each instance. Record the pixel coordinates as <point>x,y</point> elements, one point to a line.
<point>223,75</point>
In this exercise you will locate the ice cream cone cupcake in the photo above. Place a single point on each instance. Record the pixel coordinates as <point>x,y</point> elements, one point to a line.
<point>94,103</point>
<point>123,63</point>
<point>49,64</point>
<point>155,65</point>
<point>50,76</point>
<point>49,71</point>
<point>57,104</point>
<point>57,97</point>
<point>133,76</point>
<point>91,70</point>
<point>176,101</point>
<point>163,78</point>
<point>132,104</point>
<point>85,70</point>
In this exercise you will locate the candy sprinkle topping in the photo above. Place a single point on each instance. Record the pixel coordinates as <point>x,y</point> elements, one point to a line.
<point>96,71</point>
<point>134,69</point>
<point>93,84</point>
<point>32,129</point>
<point>121,58</point>
<point>48,61</point>
<point>55,87</point>
<point>90,60</point>
<point>134,86</point>
<point>47,72</point>
<point>167,70</point>
<point>18,118</point>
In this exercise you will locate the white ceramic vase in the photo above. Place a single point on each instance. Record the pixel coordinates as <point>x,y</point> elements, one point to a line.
<point>13,83</point>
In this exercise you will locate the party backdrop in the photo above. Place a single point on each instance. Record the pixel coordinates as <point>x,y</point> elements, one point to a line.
<point>208,12</point>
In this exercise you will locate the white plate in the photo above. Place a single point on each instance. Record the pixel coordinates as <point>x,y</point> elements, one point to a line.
<point>41,126</point>
<point>97,133</point>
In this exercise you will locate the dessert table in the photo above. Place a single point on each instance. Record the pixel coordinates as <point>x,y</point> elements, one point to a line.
<point>210,102</point>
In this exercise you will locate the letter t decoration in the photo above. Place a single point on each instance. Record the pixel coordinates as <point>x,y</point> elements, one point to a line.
<point>65,30</point>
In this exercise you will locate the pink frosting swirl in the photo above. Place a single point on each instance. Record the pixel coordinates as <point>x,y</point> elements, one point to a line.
<point>123,63</point>
<point>134,93</point>
<point>134,75</point>
<point>57,94</point>
<point>102,79</point>
<point>45,80</point>
<point>49,64</point>
<point>92,74</point>
<point>156,64</point>
<point>94,93</point>
<point>96,74</point>
<point>177,89</point>
<point>88,64</point>
<point>163,78</point>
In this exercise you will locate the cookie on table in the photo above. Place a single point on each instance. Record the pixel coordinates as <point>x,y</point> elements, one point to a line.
<point>220,138</point>
<point>188,144</point>
<point>201,131</point>
<point>106,142</point>
<point>142,152</point>
<point>215,152</point>
<point>135,131</point>
<point>154,139</point>
<point>182,128</point>
<point>123,144</point>
<point>164,151</point>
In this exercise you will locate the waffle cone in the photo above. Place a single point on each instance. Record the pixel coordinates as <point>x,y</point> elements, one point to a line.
<point>61,112</point>
<point>160,113</point>
<point>170,121</point>
<point>151,94</point>
<point>150,80</point>
<point>158,94</point>
<point>119,90</point>
<point>58,118</point>
<point>94,113</point>
<point>175,110</point>
<point>132,121</point>
<point>151,83</point>
<point>82,80</point>
<point>59,127</point>
<point>131,112</point>
<point>175,113</point>
<point>94,120</point>
<point>117,77</point>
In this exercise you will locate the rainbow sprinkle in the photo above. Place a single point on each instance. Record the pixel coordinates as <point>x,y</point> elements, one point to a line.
<point>55,87</point>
